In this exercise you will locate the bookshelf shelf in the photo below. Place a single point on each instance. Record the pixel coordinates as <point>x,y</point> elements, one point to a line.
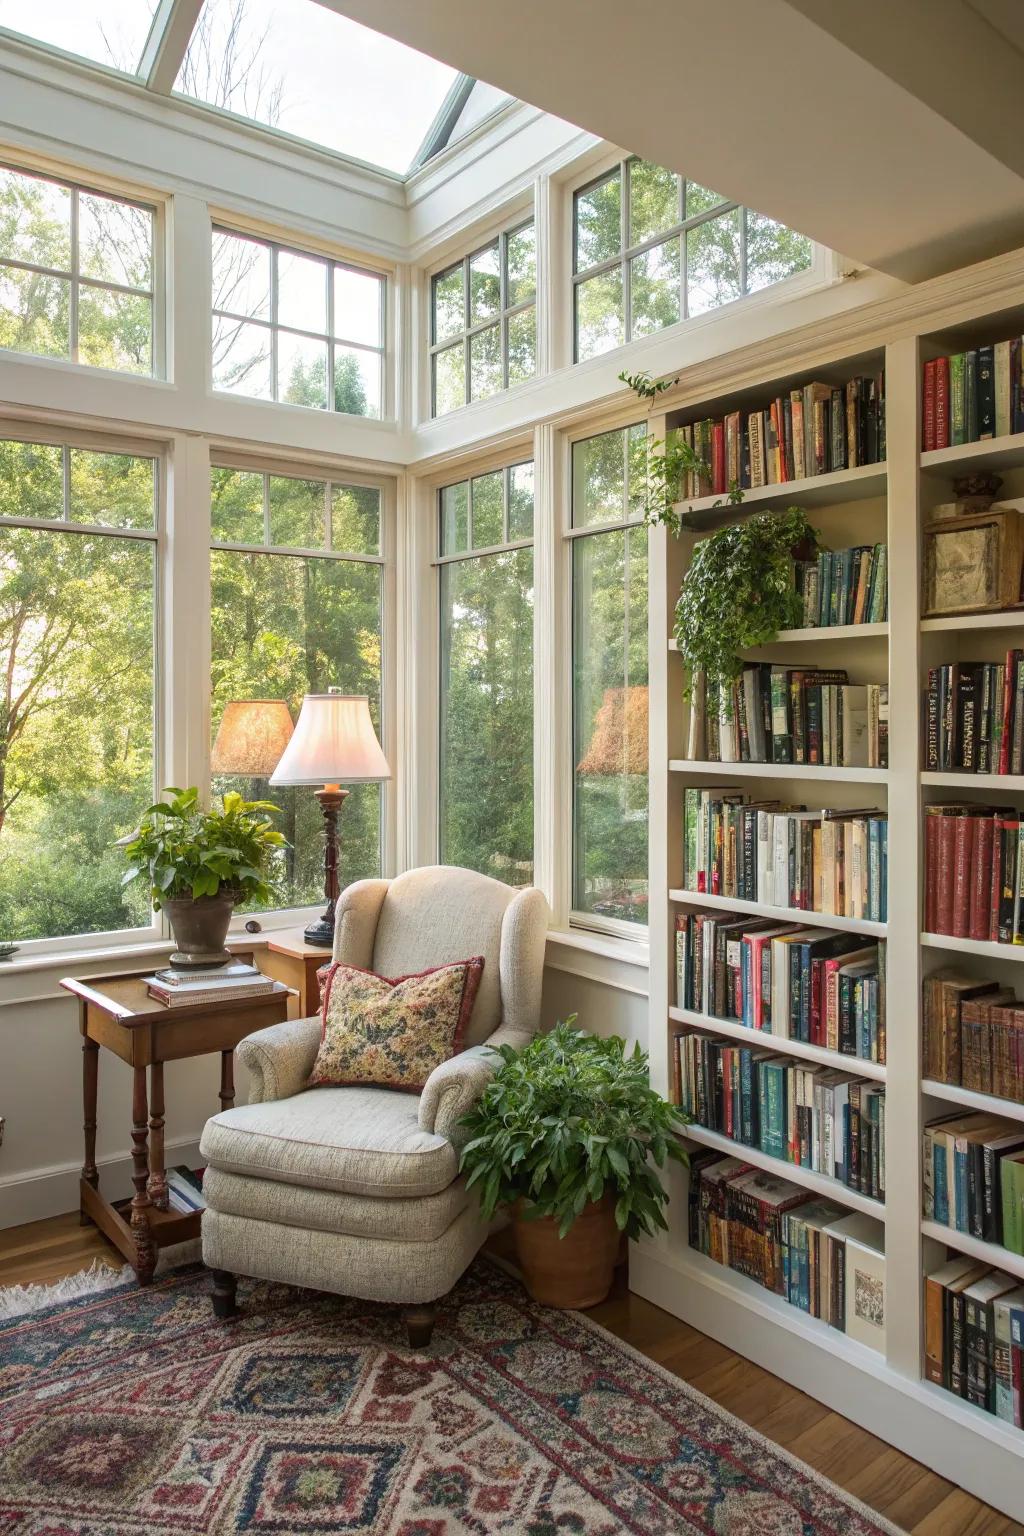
<point>985,781</point>
<point>818,634</point>
<point>820,1183</point>
<point>816,1053</point>
<point>704,514</point>
<point>987,1102</point>
<point>990,1253</point>
<point>992,453</point>
<point>795,771</point>
<point>973,946</point>
<point>1005,618</point>
<point>784,914</point>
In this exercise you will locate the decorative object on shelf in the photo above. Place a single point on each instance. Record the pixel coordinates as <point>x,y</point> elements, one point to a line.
<point>251,737</point>
<point>972,564</point>
<point>334,742</point>
<point>977,492</point>
<point>200,864</point>
<point>570,1134</point>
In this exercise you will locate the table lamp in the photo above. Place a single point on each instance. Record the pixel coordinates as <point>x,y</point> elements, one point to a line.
<point>251,737</point>
<point>334,740</point>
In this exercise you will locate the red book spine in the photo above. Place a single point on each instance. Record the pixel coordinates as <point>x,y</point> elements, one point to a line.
<point>1009,690</point>
<point>930,371</point>
<point>945,863</point>
<point>942,403</point>
<point>931,873</point>
<point>814,1025</point>
<point>719,485</point>
<point>981,878</point>
<point>996,872</point>
<point>1017,1383</point>
<point>963,848</point>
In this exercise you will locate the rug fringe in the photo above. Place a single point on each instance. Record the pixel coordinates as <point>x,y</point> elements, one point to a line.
<point>21,1300</point>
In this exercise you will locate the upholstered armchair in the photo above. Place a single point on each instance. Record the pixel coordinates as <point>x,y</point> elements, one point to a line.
<point>357,1190</point>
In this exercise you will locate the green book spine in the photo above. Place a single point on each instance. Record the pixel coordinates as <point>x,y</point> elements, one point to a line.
<point>1011,1179</point>
<point>957,399</point>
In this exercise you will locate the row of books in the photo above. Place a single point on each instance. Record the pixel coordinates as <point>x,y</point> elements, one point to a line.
<point>813,1117</point>
<point>973,1177</point>
<point>766,1228</point>
<point>774,714</point>
<point>809,431</point>
<point>830,860</point>
<point>844,586</point>
<point>185,1190</point>
<point>974,1336</point>
<point>974,716</point>
<point>972,395</point>
<point>973,868</point>
<point>826,989</point>
<point>973,1035</point>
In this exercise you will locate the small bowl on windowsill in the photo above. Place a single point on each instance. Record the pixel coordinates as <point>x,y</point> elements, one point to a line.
<point>8,951</point>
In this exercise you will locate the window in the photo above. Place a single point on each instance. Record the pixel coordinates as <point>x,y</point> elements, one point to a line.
<point>485,531</point>
<point>76,274</point>
<point>78,530</point>
<point>609,679</point>
<point>300,329</point>
<point>650,249</point>
<point>296,607</point>
<point>484,321</point>
<point>111,32</point>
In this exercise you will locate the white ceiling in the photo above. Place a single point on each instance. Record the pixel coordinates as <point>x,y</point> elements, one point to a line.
<point>889,130</point>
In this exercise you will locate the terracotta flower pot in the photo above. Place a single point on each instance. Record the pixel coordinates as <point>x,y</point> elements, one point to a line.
<point>573,1271</point>
<point>200,927</point>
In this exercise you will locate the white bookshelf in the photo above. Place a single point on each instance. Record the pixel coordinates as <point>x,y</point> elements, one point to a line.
<point>887,502</point>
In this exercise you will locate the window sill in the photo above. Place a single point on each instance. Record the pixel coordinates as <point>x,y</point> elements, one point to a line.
<point>626,951</point>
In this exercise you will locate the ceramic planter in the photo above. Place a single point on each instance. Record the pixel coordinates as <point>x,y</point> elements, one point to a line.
<point>574,1271</point>
<point>200,926</point>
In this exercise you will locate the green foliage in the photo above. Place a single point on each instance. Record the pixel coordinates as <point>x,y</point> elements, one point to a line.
<point>645,387</point>
<point>566,1119</point>
<point>739,592</point>
<point>179,849</point>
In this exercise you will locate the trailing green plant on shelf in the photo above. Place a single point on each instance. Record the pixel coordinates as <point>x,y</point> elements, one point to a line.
<point>181,850</point>
<point>566,1120</point>
<point>739,589</point>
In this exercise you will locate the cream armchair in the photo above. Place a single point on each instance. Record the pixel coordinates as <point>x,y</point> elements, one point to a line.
<point>357,1190</point>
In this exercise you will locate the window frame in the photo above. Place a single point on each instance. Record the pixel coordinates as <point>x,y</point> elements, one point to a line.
<point>627,253</point>
<point>333,474</point>
<point>156,293</point>
<point>13,429</point>
<point>439,562</point>
<point>499,320</point>
<point>277,246</point>
<point>589,922</point>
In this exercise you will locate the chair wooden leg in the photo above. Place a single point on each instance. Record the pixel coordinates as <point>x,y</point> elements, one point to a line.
<point>225,1286</point>
<point>419,1325</point>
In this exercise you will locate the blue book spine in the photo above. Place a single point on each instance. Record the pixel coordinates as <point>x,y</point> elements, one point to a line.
<point>747,1097</point>
<point>960,1175</point>
<point>940,1192</point>
<point>786,1275</point>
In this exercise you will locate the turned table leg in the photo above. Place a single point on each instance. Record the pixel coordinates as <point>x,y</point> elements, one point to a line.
<point>90,1081</point>
<point>145,1251</point>
<point>157,1173</point>
<point>227,1079</point>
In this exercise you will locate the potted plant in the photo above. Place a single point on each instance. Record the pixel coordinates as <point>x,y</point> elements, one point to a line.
<point>570,1135</point>
<point>199,864</point>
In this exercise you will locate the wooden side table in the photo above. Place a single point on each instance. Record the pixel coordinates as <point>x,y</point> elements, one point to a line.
<point>116,1012</point>
<point>288,958</point>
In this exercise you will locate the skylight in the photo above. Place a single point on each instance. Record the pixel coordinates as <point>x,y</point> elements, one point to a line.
<point>111,32</point>
<point>295,66</point>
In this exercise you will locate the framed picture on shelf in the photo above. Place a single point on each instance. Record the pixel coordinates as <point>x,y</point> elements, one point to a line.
<point>972,564</point>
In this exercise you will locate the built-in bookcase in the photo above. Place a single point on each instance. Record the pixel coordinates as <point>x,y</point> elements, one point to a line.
<point>874,503</point>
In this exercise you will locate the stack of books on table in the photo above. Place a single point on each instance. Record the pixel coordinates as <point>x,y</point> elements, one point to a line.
<point>226,983</point>
<point>185,1190</point>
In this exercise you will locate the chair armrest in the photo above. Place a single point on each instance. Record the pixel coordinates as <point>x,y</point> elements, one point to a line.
<point>280,1058</point>
<point>453,1088</point>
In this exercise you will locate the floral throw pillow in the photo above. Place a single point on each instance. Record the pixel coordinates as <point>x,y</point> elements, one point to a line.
<point>391,1032</point>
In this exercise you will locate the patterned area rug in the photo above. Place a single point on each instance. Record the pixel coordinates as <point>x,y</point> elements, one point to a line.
<point>135,1412</point>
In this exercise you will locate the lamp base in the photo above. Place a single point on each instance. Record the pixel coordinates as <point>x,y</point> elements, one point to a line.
<point>321,933</point>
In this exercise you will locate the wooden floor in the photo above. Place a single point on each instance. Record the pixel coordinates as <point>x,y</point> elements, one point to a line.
<point>908,1494</point>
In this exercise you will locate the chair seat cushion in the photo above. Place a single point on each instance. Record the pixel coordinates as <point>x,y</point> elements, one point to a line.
<point>358,1141</point>
<point>391,1032</point>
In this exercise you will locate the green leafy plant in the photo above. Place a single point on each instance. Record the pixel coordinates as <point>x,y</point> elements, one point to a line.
<point>180,850</point>
<point>665,461</point>
<point>738,591</point>
<point>565,1119</point>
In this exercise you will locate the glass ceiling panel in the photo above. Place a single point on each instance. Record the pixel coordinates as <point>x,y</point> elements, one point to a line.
<point>293,65</point>
<point>111,32</point>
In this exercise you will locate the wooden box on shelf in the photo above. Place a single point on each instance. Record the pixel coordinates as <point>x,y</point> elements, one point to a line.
<point>972,564</point>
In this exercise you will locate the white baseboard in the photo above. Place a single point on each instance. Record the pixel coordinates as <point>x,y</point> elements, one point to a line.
<point>42,1192</point>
